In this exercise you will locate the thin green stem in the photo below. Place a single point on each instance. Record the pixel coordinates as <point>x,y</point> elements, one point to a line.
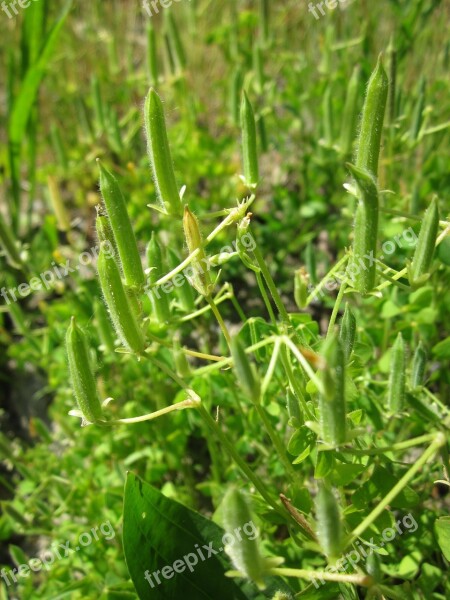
<point>337,304</point>
<point>438,442</point>
<point>219,318</point>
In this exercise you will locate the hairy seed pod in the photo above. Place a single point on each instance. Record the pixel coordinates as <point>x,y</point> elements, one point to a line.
<point>332,402</point>
<point>392,57</point>
<point>369,142</point>
<point>301,282</point>
<point>418,112</point>
<point>105,234</point>
<point>118,303</point>
<point>103,326</point>
<point>159,299</point>
<point>245,371</point>
<point>249,148</point>
<point>152,57</point>
<point>159,154</point>
<point>350,114</point>
<point>82,377</point>
<point>62,218</point>
<point>362,267</point>
<point>8,245</point>
<point>200,277</point>
<point>424,252</point>
<point>328,521</point>
<point>244,552</point>
<point>347,332</point>
<point>122,229</point>
<point>183,289</point>
<point>396,390</point>
<point>175,42</point>
<point>418,367</point>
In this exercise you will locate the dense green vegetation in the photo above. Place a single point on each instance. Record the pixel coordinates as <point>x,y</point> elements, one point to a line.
<point>225,252</point>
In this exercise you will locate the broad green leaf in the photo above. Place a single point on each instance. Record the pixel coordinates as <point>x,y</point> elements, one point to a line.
<point>442,529</point>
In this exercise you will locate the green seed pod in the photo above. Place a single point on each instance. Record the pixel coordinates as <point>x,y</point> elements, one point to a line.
<point>418,367</point>
<point>117,301</point>
<point>103,326</point>
<point>327,116</point>
<point>396,390</point>
<point>328,521</point>
<point>83,381</point>
<point>347,332</point>
<point>105,234</point>
<point>418,112</point>
<point>122,229</point>
<point>175,42</point>
<point>362,267</point>
<point>159,299</point>
<point>183,290</point>
<point>369,141</point>
<point>249,148</point>
<point>350,114</point>
<point>332,402</point>
<point>301,283</point>
<point>235,94</point>
<point>98,104</point>
<point>152,57</point>
<point>245,372</point>
<point>244,552</point>
<point>200,277</point>
<point>8,245</point>
<point>392,55</point>
<point>159,154</point>
<point>423,254</point>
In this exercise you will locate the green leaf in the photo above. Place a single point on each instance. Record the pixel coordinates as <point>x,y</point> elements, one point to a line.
<point>157,532</point>
<point>442,350</point>
<point>379,485</point>
<point>442,529</point>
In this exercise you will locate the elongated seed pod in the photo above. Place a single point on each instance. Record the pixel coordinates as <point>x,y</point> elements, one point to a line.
<point>369,141</point>
<point>350,114</point>
<point>183,289</point>
<point>245,371</point>
<point>104,326</point>
<point>105,234</point>
<point>159,154</point>
<point>118,303</point>
<point>244,552</point>
<point>200,277</point>
<point>332,402</point>
<point>396,391</point>
<point>327,116</point>
<point>418,366</point>
<point>249,147</point>
<point>362,267</point>
<point>329,521</point>
<point>392,57</point>
<point>160,300</point>
<point>347,332</point>
<point>122,229</point>
<point>418,112</point>
<point>62,218</point>
<point>301,282</point>
<point>8,245</point>
<point>424,252</point>
<point>83,381</point>
<point>152,57</point>
<point>175,42</point>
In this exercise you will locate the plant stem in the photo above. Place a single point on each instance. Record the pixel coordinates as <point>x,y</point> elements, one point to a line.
<point>219,318</point>
<point>363,580</point>
<point>439,441</point>
<point>255,480</point>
